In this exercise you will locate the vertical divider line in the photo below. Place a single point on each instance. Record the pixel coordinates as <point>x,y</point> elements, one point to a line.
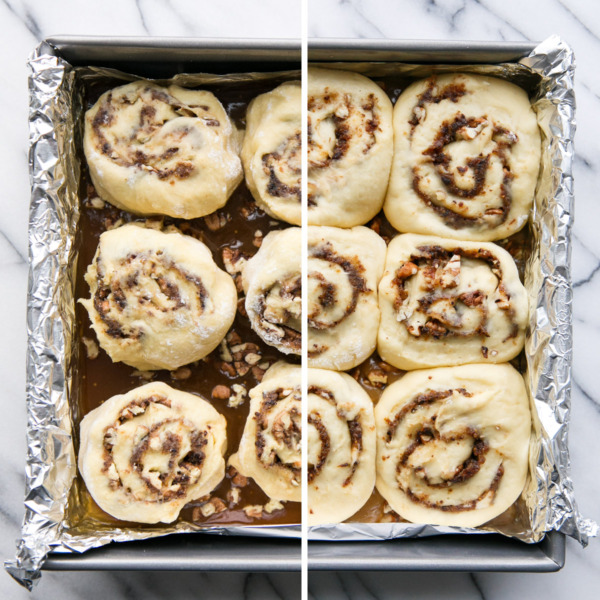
<point>304,260</point>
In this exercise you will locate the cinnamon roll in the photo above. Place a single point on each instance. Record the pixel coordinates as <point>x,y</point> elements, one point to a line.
<point>344,268</point>
<point>145,454</point>
<point>341,447</point>
<point>158,300</point>
<point>445,302</point>
<point>349,147</point>
<point>453,443</point>
<point>466,158</point>
<point>271,151</point>
<point>272,281</point>
<point>155,150</point>
<point>269,450</point>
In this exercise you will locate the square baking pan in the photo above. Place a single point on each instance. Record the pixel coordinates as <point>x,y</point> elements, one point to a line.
<point>161,57</point>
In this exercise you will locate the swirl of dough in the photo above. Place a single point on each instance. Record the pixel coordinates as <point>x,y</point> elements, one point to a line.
<point>158,300</point>
<point>269,450</point>
<point>349,147</point>
<point>272,281</point>
<point>453,443</point>
<point>341,447</point>
<point>271,151</point>
<point>466,158</point>
<point>445,302</point>
<point>344,268</point>
<point>154,150</point>
<point>145,454</point>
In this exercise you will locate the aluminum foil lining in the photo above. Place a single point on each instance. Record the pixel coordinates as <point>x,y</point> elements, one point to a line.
<point>548,500</point>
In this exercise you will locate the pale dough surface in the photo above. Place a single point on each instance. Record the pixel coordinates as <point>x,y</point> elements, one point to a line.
<point>445,302</point>
<point>341,447</point>
<point>272,280</point>
<point>145,454</point>
<point>344,269</point>
<point>271,152</point>
<point>431,427</point>
<point>158,300</point>
<point>466,158</point>
<point>269,450</point>
<point>154,150</point>
<point>350,143</point>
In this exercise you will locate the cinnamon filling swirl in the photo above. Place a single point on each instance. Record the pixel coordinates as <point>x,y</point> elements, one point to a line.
<point>335,285</point>
<point>343,313</point>
<point>341,446</point>
<point>349,152</point>
<point>466,158</point>
<point>280,313</point>
<point>436,305</point>
<point>145,454</point>
<point>141,285</point>
<point>283,169</point>
<point>155,150</point>
<point>278,431</point>
<point>417,476</point>
<point>166,458</point>
<point>453,443</point>
<point>336,122</point>
<point>355,433</point>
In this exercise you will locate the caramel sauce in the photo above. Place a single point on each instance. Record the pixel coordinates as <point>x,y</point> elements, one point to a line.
<point>96,380</point>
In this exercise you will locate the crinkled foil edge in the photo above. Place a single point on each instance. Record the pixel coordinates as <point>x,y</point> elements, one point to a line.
<point>548,495</point>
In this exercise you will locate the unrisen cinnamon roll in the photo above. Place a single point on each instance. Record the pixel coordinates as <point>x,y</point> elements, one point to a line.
<point>341,447</point>
<point>466,158</point>
<point>269,450</point>
<point>145,454</point>
<point>155,150</point>
<point>445,302</point>
<point>344,268</point>
<point>272,282</point>
<point>271,151</point>
<point>349,147</point>
<point>453,443</point>
<point>158,300</point>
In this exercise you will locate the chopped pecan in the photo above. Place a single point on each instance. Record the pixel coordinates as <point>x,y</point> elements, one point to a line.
<point>377,377</point>
<point>239,480</point>
<point>254,511</point>
<point>181,373</point>
<point>220,392</point>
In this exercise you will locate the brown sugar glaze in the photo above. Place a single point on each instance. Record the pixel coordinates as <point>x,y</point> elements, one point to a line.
<point>98,379</point>
<point>519,245</point>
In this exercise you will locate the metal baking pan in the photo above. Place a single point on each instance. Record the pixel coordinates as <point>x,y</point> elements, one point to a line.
<point>159,57</point>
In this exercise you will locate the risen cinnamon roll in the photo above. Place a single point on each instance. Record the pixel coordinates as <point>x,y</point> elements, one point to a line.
<point>445,302</point>
<point>344,268</point>
<point>271,151</point>
<point>158,300</point>
<point>466,158</point>
<point>349,147</point>
<point>272,282</point>
<point>341,447</point>
<point>155,150</point>
<point>145,454</point>
<point>453,443</point>
<point>269,450</point>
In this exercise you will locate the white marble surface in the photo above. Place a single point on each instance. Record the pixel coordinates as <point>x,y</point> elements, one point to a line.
<point>23,23</point>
